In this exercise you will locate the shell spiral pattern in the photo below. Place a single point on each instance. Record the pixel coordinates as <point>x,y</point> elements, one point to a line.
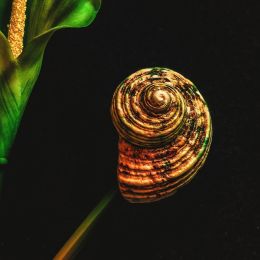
<point>165,133</point>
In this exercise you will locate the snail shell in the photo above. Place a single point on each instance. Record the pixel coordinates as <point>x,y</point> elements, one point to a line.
<point>165,133</point>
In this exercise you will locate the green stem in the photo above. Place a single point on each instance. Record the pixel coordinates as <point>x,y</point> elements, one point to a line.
<point>71,247</point>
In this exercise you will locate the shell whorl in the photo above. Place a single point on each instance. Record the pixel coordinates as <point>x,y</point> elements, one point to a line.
<point>165,133</point>
<point>147,109</point>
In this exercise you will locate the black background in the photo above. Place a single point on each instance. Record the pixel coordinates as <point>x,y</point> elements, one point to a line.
<point>65,155</point>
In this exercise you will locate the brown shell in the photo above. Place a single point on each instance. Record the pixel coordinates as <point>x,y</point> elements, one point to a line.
<point>165,133</point>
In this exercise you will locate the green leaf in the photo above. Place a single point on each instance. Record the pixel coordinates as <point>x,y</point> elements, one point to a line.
<point>44,18</point>
<point>46,15</point>
<point>10,97</point>
<point>17,77</point>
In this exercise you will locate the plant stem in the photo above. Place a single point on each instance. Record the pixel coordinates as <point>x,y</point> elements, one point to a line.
<point>17,26</point>
<point>70,248</point>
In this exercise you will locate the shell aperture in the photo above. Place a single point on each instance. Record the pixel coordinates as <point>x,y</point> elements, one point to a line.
<point>165,133</point>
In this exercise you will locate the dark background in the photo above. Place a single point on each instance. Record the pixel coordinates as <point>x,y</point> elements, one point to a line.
<point>65,155</point>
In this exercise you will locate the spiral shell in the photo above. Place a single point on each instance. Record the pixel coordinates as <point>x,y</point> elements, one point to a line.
<point>165,133</point>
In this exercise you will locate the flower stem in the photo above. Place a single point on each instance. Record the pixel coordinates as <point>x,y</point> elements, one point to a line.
<point>70,248</point>
<point>17,26</point>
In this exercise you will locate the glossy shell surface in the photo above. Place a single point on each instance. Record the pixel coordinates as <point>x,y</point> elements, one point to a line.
<point>165,133</point>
